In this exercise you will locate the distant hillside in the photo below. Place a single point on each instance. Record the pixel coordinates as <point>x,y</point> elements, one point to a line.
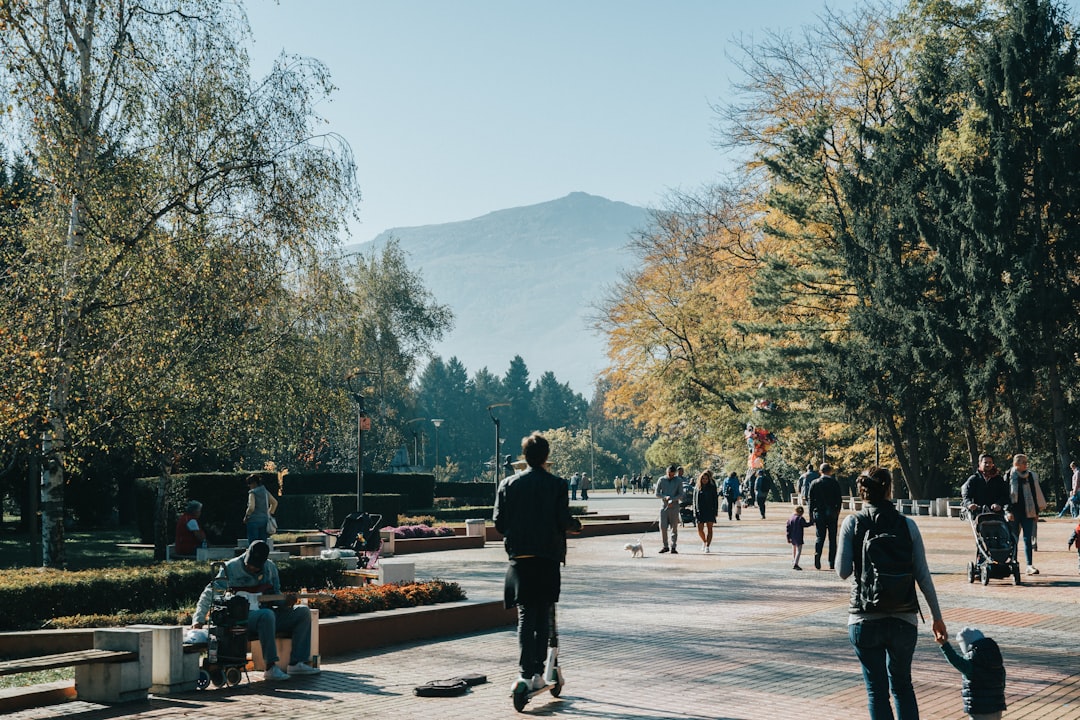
<point>522,281</point>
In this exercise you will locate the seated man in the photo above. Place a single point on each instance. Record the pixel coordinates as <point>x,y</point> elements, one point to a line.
<point>189,534</point>
<point>253,572</point>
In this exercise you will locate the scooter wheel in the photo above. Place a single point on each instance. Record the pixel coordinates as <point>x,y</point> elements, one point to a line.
<point>521,699</point>
<point>556,689</point>
<point>232,676</point>
<point>204,680</point>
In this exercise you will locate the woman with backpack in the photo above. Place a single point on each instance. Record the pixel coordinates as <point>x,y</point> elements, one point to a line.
<point>731,493</point>
<point>882,551</point>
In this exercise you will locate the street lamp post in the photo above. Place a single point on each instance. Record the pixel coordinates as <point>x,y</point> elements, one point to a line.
<point>355,382</point>
<point>495,462</point>
<point>416,457</point>
<point>437,422</point>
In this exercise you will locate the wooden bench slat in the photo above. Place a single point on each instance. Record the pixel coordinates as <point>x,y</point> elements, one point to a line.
<point>70,659</point>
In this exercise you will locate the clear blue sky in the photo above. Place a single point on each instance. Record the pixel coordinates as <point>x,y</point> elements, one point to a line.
<point>456,108</point>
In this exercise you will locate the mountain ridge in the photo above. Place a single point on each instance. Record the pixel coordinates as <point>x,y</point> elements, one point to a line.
<point>523,281</point>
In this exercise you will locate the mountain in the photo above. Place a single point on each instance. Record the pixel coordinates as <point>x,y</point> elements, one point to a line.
<point>524,281</point>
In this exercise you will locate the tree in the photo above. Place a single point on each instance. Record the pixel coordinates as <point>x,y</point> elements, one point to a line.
<point>153,143</point>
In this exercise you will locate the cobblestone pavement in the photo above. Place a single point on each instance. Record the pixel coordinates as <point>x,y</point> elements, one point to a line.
<point>732,634</point>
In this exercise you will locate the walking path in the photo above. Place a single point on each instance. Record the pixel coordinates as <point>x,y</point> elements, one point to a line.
<point>733,634</point>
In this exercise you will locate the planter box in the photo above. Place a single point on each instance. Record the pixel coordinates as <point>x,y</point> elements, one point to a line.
<point>450,542</point>
<point>351,633</point>
<point>594,528</point>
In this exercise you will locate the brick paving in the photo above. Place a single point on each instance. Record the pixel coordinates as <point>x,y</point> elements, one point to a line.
<point>733,634</point>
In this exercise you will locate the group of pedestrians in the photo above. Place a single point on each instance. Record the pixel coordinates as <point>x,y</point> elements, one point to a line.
<point>1017,495</point>
<point>580,482</point>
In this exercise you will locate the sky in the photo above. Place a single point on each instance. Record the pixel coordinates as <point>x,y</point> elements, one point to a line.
<point>456,108</point>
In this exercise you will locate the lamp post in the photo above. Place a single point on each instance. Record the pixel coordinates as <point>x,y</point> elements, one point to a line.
<point>416,457</point>
<point>437,422</point>
<point>354,380</point>
<point>495,462</point>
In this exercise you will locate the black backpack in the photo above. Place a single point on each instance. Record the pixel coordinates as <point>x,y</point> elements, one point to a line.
<point>885,570</point>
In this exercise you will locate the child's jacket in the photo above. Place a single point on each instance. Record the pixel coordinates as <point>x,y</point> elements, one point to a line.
<point>984,676</point>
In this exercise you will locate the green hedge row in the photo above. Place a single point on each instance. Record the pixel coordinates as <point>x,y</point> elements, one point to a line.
<point>329,511</point>
<point>32,596</point>
<point>417,489</point>
<point>465,513</point>
<point>223,495</point>
<point>482,491</point>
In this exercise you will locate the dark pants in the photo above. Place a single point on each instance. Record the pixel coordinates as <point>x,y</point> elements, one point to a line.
<point>534,627</point>
<point>761,504</point>
<point>584,493</point>
<point>885,648</point>
<point>825,527</point>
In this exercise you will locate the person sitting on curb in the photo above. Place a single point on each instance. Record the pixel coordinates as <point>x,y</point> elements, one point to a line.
<point>254,572</point>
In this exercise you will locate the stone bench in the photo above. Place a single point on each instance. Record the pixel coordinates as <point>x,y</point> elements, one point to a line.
<point>117,669</point>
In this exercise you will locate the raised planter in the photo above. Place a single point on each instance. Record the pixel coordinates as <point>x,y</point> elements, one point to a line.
<point>433,544</point>
<point>597,528</point>
<point>351,633</point>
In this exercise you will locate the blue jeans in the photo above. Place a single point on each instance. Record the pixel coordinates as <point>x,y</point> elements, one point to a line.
<point>265,622</point>
<point>1028,526</point>
<point>256,529</point>
<point>885,648</point>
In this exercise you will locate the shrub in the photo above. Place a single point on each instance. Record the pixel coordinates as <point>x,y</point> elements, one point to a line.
<point>32,598</point>
<point>465,513</point>
<point>428,520</point>
<point>371,598</point>
<point>417,489</point>
<point>407,532</point>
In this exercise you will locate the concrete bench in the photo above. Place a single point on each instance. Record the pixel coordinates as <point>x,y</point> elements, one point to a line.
<point>921,507</point>
<point>905,507</point>
<point>117,669</point>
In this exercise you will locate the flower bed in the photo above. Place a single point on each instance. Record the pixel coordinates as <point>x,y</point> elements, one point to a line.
<point>371,598</point>
<point>410,532</point>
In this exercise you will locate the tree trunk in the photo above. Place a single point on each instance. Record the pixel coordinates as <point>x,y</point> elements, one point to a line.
<point>54,438</point>
<point>911,471</point>
<point>966,419</point>
<point>161,517</point>
<point>1061,442</point>
<point>1014,418</point>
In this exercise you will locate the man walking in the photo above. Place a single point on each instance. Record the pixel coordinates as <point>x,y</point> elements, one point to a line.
<point>825,503</point>
<point>573,486</point>
<point>670,491</point>
<point>803,487</point>
<point>533,514</point>
<point>584,485</point>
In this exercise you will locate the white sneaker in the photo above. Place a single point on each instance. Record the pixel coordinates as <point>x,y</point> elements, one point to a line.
<point>1032,570</point>
<point>302,668</point>
<point>538,682</point>
<point>707,550</point>
<point>274,673</point>
<point>522,684</point>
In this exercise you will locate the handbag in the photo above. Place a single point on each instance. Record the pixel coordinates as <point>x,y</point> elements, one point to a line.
<point>271,525</point>
<point>724,505</point>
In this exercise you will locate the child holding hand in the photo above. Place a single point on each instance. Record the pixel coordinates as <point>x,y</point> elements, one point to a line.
<point>983,669</point>
<point>795,525</point>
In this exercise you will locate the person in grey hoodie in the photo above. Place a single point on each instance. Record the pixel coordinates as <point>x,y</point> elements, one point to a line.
<point>670,491</point>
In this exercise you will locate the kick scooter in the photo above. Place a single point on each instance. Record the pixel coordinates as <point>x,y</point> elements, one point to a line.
<point>553,679</point>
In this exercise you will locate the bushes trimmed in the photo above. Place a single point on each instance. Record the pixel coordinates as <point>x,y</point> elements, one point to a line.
<point>31,597</point>
<point>371,598</point>
<point>417,489</point>
<point>407,532</point>
<point>469,493</point>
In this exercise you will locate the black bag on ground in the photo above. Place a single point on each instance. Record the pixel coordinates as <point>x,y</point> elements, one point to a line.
<point>449,688</point>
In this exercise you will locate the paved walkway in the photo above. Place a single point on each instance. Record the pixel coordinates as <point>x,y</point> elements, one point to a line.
<point>733,634</point>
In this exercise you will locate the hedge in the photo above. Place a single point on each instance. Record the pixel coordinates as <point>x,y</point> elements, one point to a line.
<point>31,597</point>
<point>330,511</point>
<point>480,493</point>
<point>465,513</point>
<point>417,489</point>
<point>223,495</point>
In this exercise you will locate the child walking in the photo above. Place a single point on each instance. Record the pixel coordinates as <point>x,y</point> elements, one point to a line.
<point>1076,539</point>
<point>983,669</point>
<point>795,525</point>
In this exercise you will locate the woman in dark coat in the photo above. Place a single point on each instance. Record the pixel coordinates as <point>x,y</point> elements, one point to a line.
<point>706,506</point>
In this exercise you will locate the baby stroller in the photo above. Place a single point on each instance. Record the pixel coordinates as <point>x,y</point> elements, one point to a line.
<point>226,637</point>
<point>686,506</point>
<point>995,549</point>
<point>360,533</point>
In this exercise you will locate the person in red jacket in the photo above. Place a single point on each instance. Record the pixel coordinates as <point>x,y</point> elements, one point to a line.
<point>189,534</point>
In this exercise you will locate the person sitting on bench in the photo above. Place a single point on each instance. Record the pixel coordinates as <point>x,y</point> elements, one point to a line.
<point>189,534</point>
<point>253,572</point>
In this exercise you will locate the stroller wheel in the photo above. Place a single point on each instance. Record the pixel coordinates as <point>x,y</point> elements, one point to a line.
<point>204,680</point>
<point>1016,573</point>
<point>971,572</point>
<point>217,677</point>
<point>985,574</point>
<point>232,676</point>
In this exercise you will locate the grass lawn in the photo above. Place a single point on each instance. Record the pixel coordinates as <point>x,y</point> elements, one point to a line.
<point>84,550</point>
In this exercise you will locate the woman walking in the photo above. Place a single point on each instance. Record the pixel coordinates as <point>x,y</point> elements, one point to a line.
<point>706,505</point>
<point>732,493</point>
<point>882,551</point>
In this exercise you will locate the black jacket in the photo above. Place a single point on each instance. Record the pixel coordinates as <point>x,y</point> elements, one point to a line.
<point>983,687</point>
<point>532,511</point>
<point>978,491</point>
<point>825,499</point>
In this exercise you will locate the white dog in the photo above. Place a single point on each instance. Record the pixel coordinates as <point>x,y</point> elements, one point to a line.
<point>636,549</point>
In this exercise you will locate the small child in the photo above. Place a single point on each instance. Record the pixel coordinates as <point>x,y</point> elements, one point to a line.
<point>795,525</point>
<point>983,669</point>
<point>1076,539</point>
